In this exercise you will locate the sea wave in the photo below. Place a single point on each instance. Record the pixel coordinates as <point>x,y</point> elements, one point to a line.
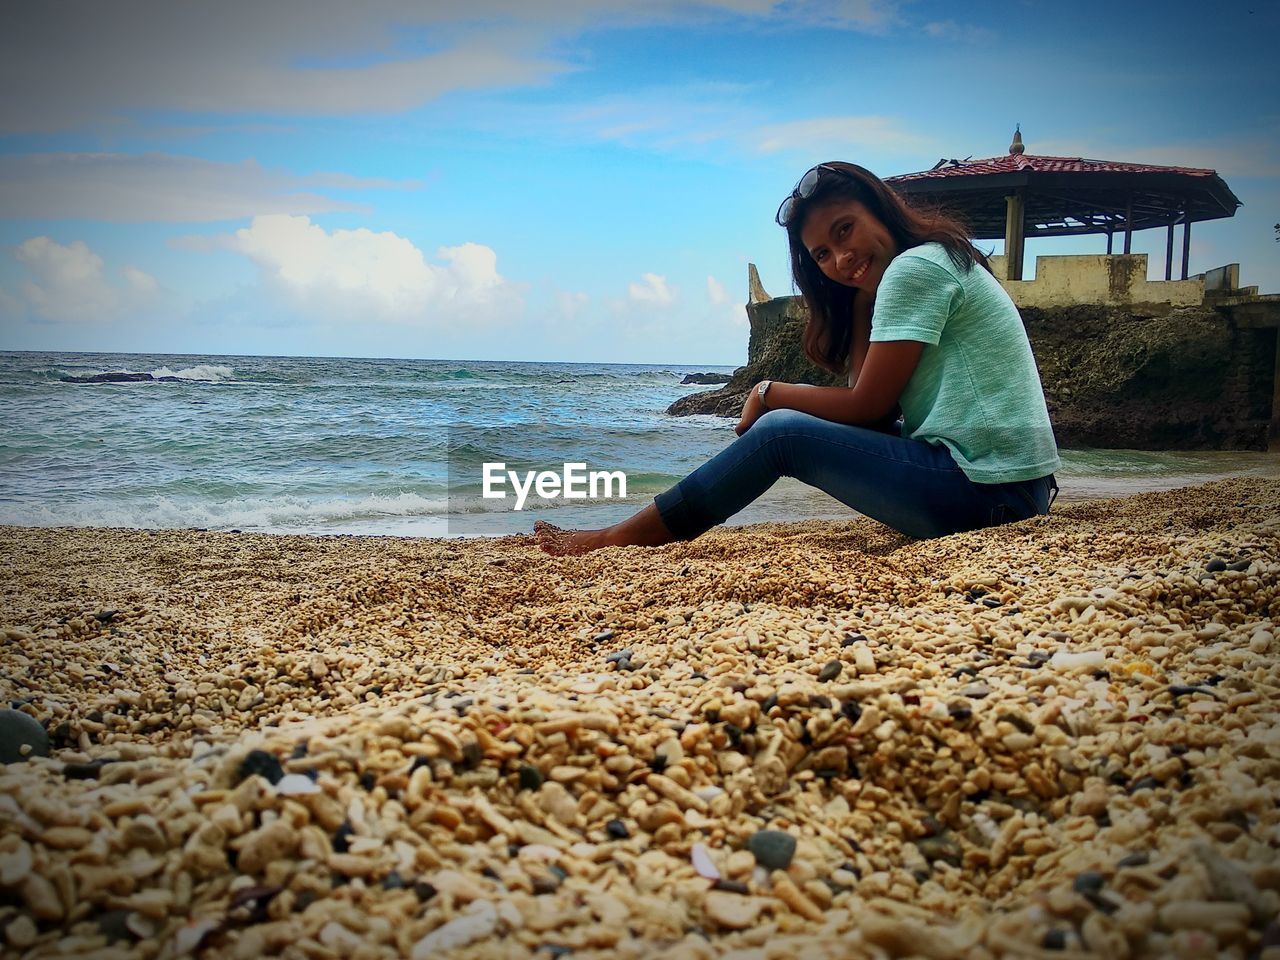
<point>205,373</point>
<point>277,514</point>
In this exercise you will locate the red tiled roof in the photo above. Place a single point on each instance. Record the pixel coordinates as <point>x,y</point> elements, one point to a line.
<point>1018,163</point>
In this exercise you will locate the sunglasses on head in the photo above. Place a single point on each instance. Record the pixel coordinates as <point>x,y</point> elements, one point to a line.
<point>803,190</point>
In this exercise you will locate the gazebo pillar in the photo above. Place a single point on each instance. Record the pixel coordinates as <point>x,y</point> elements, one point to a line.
<point>1014,235</point>
<point>1186,245</point>
<point>1128,224</point>
<point>1168,253</point>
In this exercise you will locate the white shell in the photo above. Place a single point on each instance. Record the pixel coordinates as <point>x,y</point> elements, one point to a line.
<point>703,863</point>
<point>296,785</point>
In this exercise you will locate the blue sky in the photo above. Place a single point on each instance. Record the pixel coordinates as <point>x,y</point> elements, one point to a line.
<point>547,180</point>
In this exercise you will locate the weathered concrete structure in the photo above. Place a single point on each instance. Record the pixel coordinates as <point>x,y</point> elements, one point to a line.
<point>1119,281</point>
<point>1101,279</point>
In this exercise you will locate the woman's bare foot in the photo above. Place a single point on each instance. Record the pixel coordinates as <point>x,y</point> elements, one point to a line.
<point>643,529</point>
<point>566,543</point>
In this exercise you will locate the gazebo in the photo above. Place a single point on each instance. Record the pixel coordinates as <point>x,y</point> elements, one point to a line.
<point>1017,196</point>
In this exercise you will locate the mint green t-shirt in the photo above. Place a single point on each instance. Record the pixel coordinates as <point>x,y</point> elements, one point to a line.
<point>976,388</point>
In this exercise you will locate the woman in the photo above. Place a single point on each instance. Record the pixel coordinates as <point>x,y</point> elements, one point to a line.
<point>902,302</point>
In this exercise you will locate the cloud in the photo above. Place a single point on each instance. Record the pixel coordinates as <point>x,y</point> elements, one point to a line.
<point>323,57</point>
<point>837,133</point>
<point>127,188</point>
<point>849,14</point>
<point>10,306</point>
<point>349,275</point>
<point>652,289</point>
<point>719,297</point>
<point>958,32</point>
<point>716,292</point>
<point>68,283</point>
<point>572,304</point>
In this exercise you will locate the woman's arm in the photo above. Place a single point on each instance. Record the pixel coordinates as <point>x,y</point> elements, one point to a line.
<point>862,307</point>
<point>887,368</point>
<point>885,372</point>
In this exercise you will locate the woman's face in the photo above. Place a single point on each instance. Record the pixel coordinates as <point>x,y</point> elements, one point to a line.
<point>848,243</point>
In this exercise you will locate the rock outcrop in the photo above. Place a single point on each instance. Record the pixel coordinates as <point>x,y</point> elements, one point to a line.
<point>705,378</point>
<point>1189,379</point>
<point>121,378</point>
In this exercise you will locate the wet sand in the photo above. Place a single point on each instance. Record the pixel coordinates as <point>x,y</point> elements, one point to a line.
<point>1056,738</point>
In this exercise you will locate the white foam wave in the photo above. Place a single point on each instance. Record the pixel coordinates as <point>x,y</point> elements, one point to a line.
<point>205,372</point>
<point>263,514</point>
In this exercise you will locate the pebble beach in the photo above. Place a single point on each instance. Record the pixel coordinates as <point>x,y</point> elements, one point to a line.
<point>1053,739</point>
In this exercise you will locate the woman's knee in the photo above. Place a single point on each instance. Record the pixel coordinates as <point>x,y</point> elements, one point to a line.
<point>781,422</point>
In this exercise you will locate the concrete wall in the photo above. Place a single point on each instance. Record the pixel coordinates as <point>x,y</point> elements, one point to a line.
<point>1119,281</point>
<point>1225,279</point>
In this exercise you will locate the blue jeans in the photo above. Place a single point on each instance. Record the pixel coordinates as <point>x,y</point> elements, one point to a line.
<point>912,486</point>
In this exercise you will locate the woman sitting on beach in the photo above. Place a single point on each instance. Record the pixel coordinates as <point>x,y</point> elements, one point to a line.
<point>904,304</point>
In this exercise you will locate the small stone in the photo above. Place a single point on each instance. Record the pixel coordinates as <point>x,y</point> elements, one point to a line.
<point>730,910</point>
<point>830,671</point>
<point>1202,914</point>
<point>1144,783</point>
<point>85,771</point>
<point>263,846</point>
<point>1216,565</point>
<point>795,898</point>
<point>603,635</point>
<point>530,777</point>
<point>773,849</point>
<point>21,932</point>
<point>478,922</point>
<point>1079,661</point>
<point>740,863</point>
<point>19,730</point>
<point>190,936</point>
<point>1089,882</point>
<point>262,764</point>
<point>617,830</point>
<point>941,847</point>
<point>1054,939</point>
<point>114,924</point>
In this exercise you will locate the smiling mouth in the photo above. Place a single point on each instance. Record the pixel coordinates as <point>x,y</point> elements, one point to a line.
<point>861,271</point>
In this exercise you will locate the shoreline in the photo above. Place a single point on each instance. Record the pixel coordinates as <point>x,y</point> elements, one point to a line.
<point>1054,738</point>
<point>789,501</point>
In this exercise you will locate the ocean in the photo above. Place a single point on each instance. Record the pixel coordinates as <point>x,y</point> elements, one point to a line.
<point>396,447</point>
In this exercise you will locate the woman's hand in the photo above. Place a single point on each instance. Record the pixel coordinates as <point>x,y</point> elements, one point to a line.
<point>752,411</point>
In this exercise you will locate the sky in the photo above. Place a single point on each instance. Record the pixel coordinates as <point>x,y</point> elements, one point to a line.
<point>577,180</point>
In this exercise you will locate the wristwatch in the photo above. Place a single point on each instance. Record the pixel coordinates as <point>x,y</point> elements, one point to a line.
<point>761,390</point>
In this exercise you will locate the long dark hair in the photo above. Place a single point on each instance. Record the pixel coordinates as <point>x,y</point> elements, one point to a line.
<point>828,335</point>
